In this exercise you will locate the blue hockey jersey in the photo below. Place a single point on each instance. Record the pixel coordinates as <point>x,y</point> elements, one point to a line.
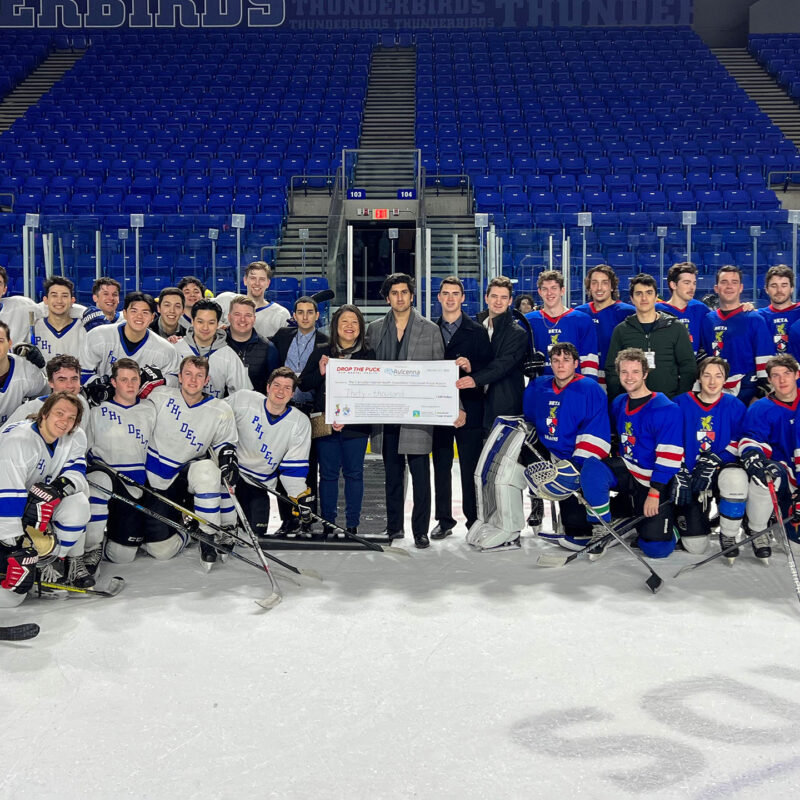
<point>769,426</point>
<point>714,428</point>
<point>606,320</point>
<point>779,322</point>
<point>571,422</point>
<point>650,438</point>
<point>692,317</point>
<point>742,339</point>
<point>572,326</point>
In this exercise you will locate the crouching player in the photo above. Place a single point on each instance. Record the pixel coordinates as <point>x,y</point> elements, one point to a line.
<point>274,440</point>
<point>712,427</point>
<point>43,481</point>
<point>650,454</point>
<point>767,447</point>
<point>570,414</point>
<point>119,431</point>
<point>191,451</point>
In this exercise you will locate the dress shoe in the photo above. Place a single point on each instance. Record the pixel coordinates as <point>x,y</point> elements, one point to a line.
<point>353,530</point>
<point>440,532</point>
<point>422,541</point>
<point>393,534</point>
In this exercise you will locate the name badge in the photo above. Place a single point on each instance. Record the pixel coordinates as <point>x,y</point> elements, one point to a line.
<point>651,358</point>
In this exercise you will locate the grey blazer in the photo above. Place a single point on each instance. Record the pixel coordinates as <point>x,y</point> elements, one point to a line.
<point>426,344</point>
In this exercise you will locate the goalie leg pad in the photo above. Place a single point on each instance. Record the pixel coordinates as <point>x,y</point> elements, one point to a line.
<point>499,481</point>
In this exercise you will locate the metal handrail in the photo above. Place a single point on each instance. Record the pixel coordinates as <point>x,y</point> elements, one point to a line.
<point>465,183</point>
<point>303,180</point>
<point>784,181</point>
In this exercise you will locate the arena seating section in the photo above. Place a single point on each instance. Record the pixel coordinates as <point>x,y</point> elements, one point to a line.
<point>634,125</point>
<point>780,56</point>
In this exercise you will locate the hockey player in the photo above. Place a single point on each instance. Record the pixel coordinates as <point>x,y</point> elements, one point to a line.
<point>605,309</point>
<point>740,337</point>
<point>59,333</point>
<point>226,372</point>
<point>118,432</point>
<point>570,415</point>
<point>767,448</point>
<point>105,296</point>
<point>270,316</point>
<point>782,312</point>
<point>43,481</point>
<point>192,448</point>
<point>104,345</point>
<point>682,281</point>
<point>169,323</point>
<point>555,323</point>
<point>712,427</point>
<point>650,453</point>
<point>19,379</point>
<point>274,440</point>
<point>16,312</point>
<point>193,290</point>
<point>63,375</point>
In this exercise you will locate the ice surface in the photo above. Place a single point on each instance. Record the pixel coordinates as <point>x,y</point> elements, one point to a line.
<point>450,674</point>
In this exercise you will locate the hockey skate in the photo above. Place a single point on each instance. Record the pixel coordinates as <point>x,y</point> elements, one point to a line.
<point>599,541</point>
<point>77,574</point>
<point>536,515</point>
<point>92,558</point>
<point>762,549</point>
<point>52,571</point>
<point>226,539</point>
<point>208,555</point>
<point>724,543</point>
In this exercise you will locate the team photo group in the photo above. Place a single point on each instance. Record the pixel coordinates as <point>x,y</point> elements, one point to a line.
<point>141,425</point>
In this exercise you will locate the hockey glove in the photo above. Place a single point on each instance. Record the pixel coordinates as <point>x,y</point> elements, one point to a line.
<point>151,378</point>
<point>758,469</point>
<point>228,464</point>
<point>98,390</point>
<point>681,488</point>
<point>42,502</point>
<point>93,317</point>
<point>303,507</point>
<point>704,471</point>
<point>534,364</point>
<point>20,569</point>
<point>30,352</point>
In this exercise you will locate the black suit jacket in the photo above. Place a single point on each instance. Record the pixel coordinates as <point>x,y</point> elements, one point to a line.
<point>283,339</point>
<point>503,375</point>
<point>471,341</point>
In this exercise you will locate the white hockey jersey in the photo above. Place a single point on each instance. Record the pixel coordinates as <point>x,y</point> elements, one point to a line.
<point>226,372</point>
<point>33,406</point>
<point>118,436</point>
<point>183,433</point>
<point>23,382</point>
<point>28,459</point>
<point>268,447</point>
<point>19,313</point>
<point>68,341</point>
<point>104,345</point>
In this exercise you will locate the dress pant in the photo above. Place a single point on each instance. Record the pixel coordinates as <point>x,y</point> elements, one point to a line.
<point>341,454</point>
<point>395,466</point>
<point>470,444</point>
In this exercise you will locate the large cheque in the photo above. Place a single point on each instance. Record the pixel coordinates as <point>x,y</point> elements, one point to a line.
<point>391,392</point>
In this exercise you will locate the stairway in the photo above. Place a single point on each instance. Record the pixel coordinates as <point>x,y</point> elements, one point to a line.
<point>289,260</point>
<point>39,82</point>
<point>762,87</point>
<point>388,124</point>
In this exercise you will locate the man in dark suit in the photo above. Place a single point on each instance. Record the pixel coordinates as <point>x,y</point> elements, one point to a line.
<point>503,376</point>
<point>295,345</point>
<point>467,343</point>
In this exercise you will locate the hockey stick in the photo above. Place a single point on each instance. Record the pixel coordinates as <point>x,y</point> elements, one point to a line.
<point>276,596</point>
<point>746,540</point>
<point>380,548</point>
<point>782,528</point>
<point>114,587</point>
<point>310,573</point>
<point>547,560</point>
<point>19,633</point>
<point>547,472</point>
<point>199,536</point>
